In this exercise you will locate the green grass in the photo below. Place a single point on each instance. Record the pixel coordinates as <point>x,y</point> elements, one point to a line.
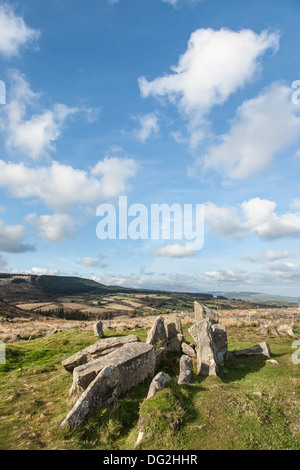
<point>224,412</point>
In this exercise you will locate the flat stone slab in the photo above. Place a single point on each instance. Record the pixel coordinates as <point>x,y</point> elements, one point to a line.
<point>96,350</point>
<point>259,350</point>
<point>128,367</point>
<point>132,359</point>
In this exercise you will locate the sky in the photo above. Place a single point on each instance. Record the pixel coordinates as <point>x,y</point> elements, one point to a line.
<point>164,102</point>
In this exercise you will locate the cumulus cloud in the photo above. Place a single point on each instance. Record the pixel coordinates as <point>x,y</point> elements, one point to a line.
<point>14,33</point>
<point>52,228</point>
<point>255,216</point>
<point>214,66</point>
<point>90,262</point>
<point>33,136</point>
<point>263,126</point>
<point>4,266</point>
<point>173,251</point>
<point>12,239</point>
<point>148,126</point>
<point>61,187</point>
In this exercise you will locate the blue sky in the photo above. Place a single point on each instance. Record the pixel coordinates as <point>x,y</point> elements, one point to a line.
<point>162,101</point>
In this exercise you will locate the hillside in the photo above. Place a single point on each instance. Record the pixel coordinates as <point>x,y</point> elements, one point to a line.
<point>20,288</point>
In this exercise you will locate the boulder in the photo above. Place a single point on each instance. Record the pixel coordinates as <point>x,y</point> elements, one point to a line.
<point>126,368</point>
<point>96,350</point>
<point>202,334</point>
<point>102,392</point>
<point>186,367</point>
<point>173,327</point>
<point>187,349</point>
<point>157,334</point>
<point>134,358</point>
<point>201,312</point>
<point>220,343</point>
<point>174,345</point>
<point>260,350</point>
<point>160,381</point>
<point>160,355</point>
<point>98,329</point>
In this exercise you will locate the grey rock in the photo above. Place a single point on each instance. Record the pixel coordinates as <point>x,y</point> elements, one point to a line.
<point>202,312</point>
<point>220,343</point>
<point>259,350</point>
<point>187,349</point>
<point>133,358</point>
<point>185,373</point>
<point>127,368</point>
<point>173,328</point>
<point>160,355</point>
<point>159,382</point>
<point>98,329</point>
<point>157,333</point>
<point>96,350</point>
<point>174,345</point>
<point>202,334</point>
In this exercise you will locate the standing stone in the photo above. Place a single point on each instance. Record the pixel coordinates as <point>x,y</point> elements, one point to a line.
<point>159,382</point>
<point>157,334</point>
<point>98,329</point>
<point>202,333</point>
<point>185,373</point>
<point>174,345</point>
<point>220,343</point>
<point>201,312</point>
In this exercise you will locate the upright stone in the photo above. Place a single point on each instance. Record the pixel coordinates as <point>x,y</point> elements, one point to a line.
<point>159,382</point>
<point>157,334</point>
<point>185,373</point>
<point>98,329</point>
<point>201,312</point>
<point>220,343</point>
<point>203,336</point>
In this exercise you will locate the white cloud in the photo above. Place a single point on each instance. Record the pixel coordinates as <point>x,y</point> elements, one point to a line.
<point>61,187</point>
<point>215,65</point>
<point>263,127</point>
<point>52,228</point>
<point>148,126</point>
<point>273,255</point>
<point>264,222</point>
<point>256,216</point>
<point>33,136</point>
<point>173,251</point>
<point>92,262</point>
<point>4,266</point>
<point>14,33</point>
<point>223,220</point>
<point>12,239</point>
<point>43,271</point>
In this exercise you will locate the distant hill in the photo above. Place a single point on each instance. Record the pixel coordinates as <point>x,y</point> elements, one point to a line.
<point>23,288</point>
<point>255,296</point>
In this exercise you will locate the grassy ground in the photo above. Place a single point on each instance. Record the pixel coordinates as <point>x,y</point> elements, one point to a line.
<point>251,405</point>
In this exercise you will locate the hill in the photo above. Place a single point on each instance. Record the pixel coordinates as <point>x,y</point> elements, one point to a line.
<point>21,287</point>
<point>255,296</point>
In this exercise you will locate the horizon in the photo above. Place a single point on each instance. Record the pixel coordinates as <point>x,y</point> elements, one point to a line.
<point>175,104</point>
